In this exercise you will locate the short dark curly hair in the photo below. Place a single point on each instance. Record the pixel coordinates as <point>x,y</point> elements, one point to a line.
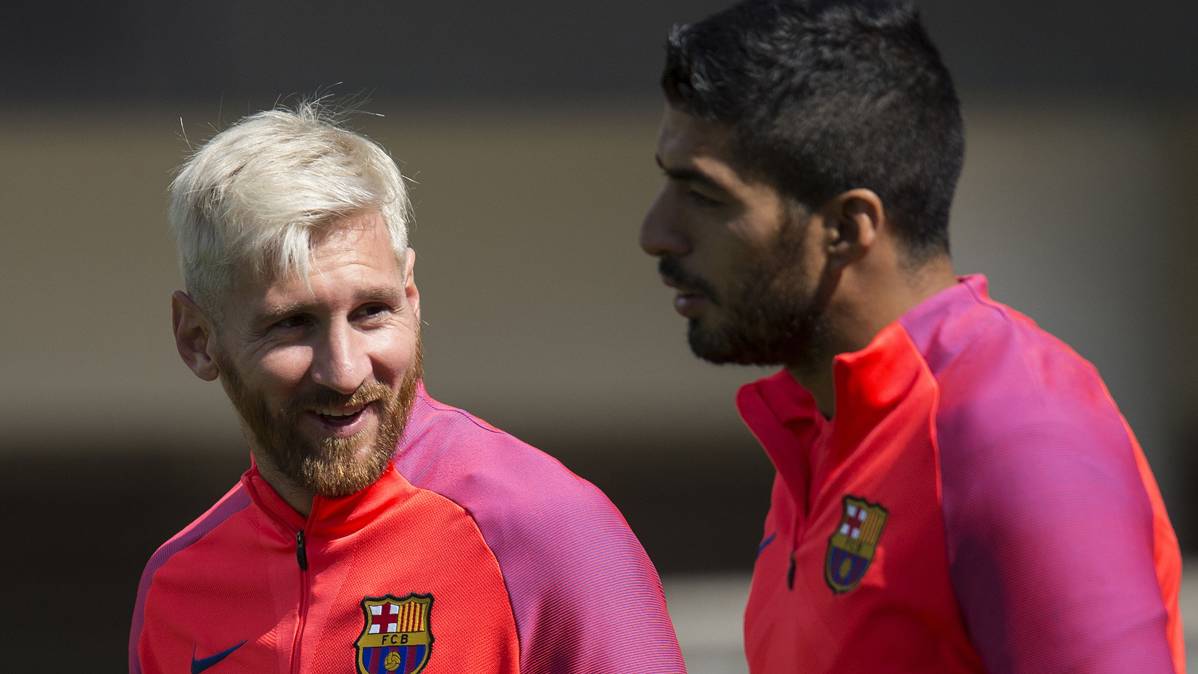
<point>824,96</point>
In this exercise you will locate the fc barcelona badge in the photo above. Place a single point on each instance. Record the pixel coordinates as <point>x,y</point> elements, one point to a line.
<point>396,638</point>
<point>851,547</point>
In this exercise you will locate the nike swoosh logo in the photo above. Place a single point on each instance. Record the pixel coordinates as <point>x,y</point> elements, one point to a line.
<point>200,665</point>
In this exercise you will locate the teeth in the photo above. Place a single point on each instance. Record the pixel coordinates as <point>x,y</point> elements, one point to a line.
<point>338,413</point>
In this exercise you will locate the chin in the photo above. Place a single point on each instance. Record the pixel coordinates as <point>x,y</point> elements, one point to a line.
<point>723,347</point>
<point>710,345</point>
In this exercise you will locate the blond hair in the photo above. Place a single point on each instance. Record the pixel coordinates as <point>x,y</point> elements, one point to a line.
<point>252,198</point>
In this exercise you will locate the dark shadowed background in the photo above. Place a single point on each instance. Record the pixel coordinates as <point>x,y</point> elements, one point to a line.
<point>528,127</point>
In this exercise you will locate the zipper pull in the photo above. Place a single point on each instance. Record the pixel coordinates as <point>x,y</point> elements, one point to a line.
<point>790,572</point>
<point>301,553</point>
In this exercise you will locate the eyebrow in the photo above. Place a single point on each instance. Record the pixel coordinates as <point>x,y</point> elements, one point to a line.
<point>276,312</point>
<point>688,174</point>
<point>386,295</point>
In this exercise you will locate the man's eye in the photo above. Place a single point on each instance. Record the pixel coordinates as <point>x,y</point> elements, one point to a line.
<point>701,199</point>
<point>373,311</point>
<point>292,322</point>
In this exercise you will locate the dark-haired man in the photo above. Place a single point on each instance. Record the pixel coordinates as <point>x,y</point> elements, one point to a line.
<point>955,491</point>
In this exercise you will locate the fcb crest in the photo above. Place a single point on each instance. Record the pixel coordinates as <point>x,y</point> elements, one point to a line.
<point>851,547</point>
<point>396,638</point>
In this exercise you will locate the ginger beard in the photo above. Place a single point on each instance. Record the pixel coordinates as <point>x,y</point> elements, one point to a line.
<point>333,466</point>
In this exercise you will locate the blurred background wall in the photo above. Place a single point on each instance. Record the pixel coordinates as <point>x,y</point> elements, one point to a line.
<point>528,128</point>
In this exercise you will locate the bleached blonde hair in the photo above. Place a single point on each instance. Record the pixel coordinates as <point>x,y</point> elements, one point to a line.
<point>253,198</point>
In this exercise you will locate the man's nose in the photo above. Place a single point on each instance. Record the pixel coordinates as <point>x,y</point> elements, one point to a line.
<point>659,232</point>
<point>341,362</point>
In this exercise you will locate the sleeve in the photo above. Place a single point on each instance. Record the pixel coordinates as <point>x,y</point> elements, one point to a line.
<point>586,597</point>
<point>138,653</point>
<point>145,634</point>
<point>1050,539</point>
<point>135,632</point>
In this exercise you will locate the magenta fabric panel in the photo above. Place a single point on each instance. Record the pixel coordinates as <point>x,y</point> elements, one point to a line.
<point>233,502</point>
<point>585,596</point>
<point>1049,526</point>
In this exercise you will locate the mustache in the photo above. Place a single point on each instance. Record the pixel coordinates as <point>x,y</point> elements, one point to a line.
<point>671,269</point>
<point>367,393</point>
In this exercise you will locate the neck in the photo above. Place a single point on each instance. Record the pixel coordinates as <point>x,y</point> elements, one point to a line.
<point>297,497</point>
<point>863,306</point>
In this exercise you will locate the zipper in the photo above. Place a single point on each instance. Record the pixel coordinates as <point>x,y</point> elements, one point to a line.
<point>806,510</point>
<point>796,532</point>
<point>301,559</point>
<point>301,552</point>
<point>797,529</point>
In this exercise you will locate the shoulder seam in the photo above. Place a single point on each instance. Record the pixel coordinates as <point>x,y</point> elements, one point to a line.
<point>183,540</point>
<point>1002,312</point>
<point>494,557</point>
<point>441,407</point>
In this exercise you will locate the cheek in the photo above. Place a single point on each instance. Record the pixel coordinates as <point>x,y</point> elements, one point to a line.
<point>282,369</point>
<point>393,353</point>
<point>732,259</point>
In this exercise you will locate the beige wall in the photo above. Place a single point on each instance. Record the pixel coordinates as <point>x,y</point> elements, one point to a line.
<point>542,314</point>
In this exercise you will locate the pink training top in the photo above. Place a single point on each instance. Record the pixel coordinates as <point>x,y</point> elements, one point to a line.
<point>977,504</point>
<point>477,553</point>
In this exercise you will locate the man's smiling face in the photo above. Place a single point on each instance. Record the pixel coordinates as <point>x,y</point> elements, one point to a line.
<point>323,370</point>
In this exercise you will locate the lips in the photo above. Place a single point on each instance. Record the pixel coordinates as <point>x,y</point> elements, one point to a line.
<point>689,301</point>
<point>682,288</point>
<point>672,283</point>
<point>689,305</point>
<point>339,421</point>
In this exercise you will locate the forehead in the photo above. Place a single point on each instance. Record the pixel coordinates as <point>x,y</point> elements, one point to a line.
<point>698,150</point>
<point>684,138</point>
<point>360,239</point>
<point>351,255</point>
<point>701,151</point>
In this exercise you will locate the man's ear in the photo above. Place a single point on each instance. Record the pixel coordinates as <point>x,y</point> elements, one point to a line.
<point>411,292</point>
<point>194,336</point>
<point>852,222</point>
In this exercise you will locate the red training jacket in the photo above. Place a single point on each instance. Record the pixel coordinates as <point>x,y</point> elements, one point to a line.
<point>475,553</point>
<point>977,504</point>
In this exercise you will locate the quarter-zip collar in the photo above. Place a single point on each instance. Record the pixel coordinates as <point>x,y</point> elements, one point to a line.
<point>782,415</point>
<point>330,517</point>
<point>868,383</point>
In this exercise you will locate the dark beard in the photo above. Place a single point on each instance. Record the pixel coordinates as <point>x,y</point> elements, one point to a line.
<point>332,468</point>
<point>771,315</point>
<point>768,323</point>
